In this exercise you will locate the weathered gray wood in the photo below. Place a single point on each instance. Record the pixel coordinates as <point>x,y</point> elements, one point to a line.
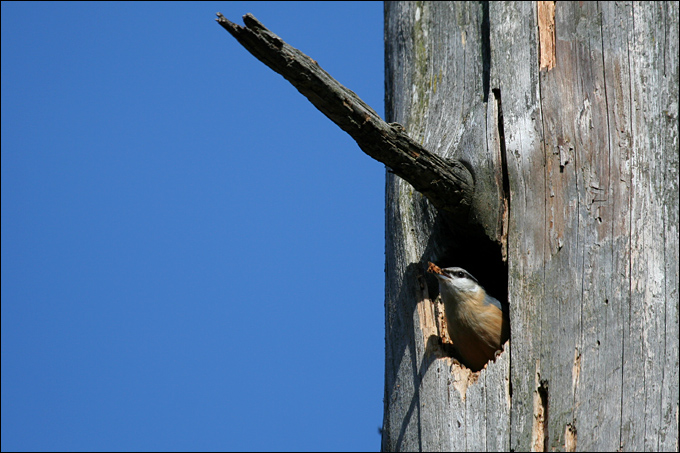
<point>435,82</point>
<point>591,146</point>
<point>573,103</point>
<point>514,69</point>
<point>606,282</point>
<point>650,359</point>
<point>666,125</point>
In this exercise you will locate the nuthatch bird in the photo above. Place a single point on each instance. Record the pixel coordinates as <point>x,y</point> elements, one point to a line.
<point>477,323</point>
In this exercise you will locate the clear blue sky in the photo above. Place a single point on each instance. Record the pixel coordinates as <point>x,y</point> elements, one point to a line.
<point>192,254</point>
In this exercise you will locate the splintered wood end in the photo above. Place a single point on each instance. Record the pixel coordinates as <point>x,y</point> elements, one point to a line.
<point>433,268</point>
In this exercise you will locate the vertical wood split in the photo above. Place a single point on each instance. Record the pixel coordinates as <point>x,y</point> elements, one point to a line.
<point>427,313</point>
<point>570,437</point>
<point>546,34</point>
<point>505,182</point>
<point>539,433</point>
<point>576,370</point>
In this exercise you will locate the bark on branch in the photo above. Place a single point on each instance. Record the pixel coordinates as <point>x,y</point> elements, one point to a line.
<point>446,183</point>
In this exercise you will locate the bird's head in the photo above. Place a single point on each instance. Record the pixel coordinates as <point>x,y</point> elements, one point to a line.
<point>455,280</point>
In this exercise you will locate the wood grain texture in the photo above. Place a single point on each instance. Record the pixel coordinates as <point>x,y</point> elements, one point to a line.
<point>651,336</point>
<point>437,87</point>
<point>591,149</point>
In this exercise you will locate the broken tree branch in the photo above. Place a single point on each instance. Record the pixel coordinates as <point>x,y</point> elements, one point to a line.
<point>447,184</point>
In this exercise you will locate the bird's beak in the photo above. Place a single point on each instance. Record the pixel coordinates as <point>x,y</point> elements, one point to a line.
<point>437,271</point>
<point>442,276</point>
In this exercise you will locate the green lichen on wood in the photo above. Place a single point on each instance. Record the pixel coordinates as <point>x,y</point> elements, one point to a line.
<point>422,83</point>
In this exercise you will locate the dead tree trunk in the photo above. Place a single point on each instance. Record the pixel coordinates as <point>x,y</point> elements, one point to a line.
<point>566,115</point>
<point>545,138</point>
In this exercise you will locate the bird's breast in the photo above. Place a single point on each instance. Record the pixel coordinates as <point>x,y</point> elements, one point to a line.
<point>476,328</point>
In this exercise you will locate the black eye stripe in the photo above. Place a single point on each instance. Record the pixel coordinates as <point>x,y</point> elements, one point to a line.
<point>459,273</point>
